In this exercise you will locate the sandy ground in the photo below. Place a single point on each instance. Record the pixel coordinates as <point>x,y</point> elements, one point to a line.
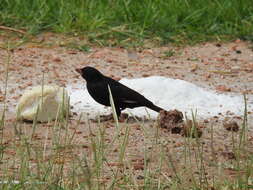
<point>226,67</point>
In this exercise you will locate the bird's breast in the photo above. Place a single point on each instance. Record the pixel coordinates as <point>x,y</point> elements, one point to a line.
<point>99,92</point>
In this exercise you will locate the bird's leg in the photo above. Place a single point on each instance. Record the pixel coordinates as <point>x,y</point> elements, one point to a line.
<point>104,118</point>
<point>118,111</point>
<point>123,117</point>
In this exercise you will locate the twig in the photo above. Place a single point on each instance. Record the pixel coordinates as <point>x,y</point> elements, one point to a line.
<point>12,29</point>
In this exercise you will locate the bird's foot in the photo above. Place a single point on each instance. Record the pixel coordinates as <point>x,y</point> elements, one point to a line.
<point>103,118</point>
<point>124,118</point>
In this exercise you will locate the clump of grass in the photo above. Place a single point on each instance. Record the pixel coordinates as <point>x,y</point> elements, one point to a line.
<point>122,21</point>
<point>169,53</point>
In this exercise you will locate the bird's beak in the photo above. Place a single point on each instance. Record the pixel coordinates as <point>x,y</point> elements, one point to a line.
<point>79,71</point>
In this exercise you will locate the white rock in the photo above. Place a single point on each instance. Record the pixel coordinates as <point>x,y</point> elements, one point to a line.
<point>55,99</point>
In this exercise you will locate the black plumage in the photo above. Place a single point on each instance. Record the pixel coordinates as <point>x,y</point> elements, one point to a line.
<point>123,97</point>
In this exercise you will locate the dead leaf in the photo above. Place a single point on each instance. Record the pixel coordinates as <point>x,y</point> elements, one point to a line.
<point>231,126</point>
<point>223,88</point>
<point>194,68</point>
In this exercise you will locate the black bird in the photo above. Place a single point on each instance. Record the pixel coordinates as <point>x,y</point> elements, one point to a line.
<point>123,97</point>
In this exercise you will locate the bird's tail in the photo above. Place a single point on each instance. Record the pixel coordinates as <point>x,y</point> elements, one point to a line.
<point>155,108</point>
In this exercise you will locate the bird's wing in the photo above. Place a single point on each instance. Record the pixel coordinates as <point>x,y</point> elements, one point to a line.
<point>123,94</point>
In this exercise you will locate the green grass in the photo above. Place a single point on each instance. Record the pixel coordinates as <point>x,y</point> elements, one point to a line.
<point>118,22</point>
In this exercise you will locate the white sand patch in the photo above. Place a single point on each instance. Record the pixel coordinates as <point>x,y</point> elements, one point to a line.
<point>167,93</point>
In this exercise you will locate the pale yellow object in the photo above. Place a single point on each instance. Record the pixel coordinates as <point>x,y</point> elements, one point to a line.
<point>54,102</point>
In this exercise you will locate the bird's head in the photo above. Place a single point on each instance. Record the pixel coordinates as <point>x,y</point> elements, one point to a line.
<point>90,74</point>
